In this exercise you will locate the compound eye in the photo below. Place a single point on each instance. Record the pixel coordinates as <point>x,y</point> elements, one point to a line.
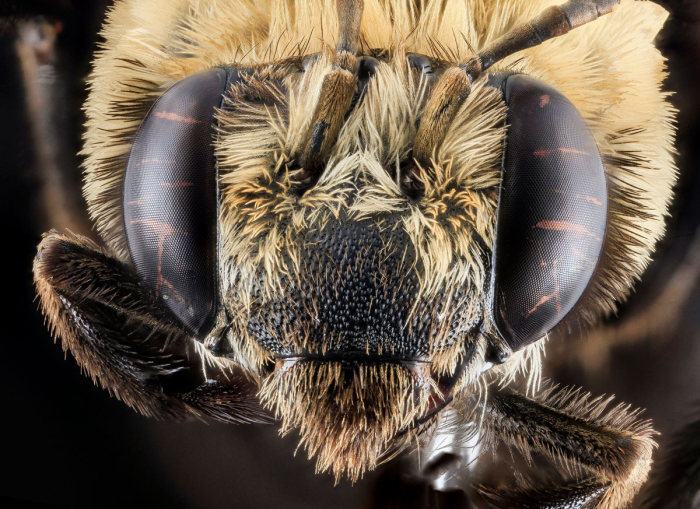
<point>551,214</point>
<point>170,199</point>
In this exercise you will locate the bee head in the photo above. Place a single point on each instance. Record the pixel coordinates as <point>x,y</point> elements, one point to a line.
<point>359,298</point>
<point>358,232</point>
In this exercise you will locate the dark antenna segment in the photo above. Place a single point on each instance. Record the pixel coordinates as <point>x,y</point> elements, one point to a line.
<point>455,84</point>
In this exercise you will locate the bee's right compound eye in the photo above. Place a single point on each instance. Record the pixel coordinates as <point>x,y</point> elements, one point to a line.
<point>170,198</point>
<point>551,215</point>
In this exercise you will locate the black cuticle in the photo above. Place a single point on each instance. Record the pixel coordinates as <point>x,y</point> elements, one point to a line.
<point>496,353</point>
<point>411,185</point>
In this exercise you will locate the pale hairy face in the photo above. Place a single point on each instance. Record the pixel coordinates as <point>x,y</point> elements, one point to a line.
<point>352,265</point>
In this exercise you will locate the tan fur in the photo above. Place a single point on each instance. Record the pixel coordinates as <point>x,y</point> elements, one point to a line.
<point>262,218</point>
<point>609,69</point>
<point>337,91</point>
<point>445,100</point>
<point>346,416</point>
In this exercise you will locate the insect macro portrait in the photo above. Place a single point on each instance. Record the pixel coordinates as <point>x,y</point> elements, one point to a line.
<point>366,221</point>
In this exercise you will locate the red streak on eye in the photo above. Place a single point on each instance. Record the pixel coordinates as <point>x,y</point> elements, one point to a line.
<point>593,200</point>
<point>163,230</point>
<point>175,293</point>
<point>554,295</point>
<point>176,184</point>
<point>544,100</point>
<point>177,118</point>
<point>589,199</point>
<point>565,226</point>
<point>542,301</point>
<point>563,150</point>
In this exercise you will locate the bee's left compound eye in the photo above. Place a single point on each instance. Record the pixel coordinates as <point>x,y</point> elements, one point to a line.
<point>170,198</point>
<point>552,212</point>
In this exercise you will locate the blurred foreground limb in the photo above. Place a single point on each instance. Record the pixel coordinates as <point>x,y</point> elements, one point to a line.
<point>59,203</point>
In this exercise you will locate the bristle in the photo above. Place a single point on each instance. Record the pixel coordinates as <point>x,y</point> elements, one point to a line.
<point>526,362</point>
<point>344,425</point>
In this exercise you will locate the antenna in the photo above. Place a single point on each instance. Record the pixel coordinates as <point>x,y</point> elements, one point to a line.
<point>455,84</point>
<point>338,88</point>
